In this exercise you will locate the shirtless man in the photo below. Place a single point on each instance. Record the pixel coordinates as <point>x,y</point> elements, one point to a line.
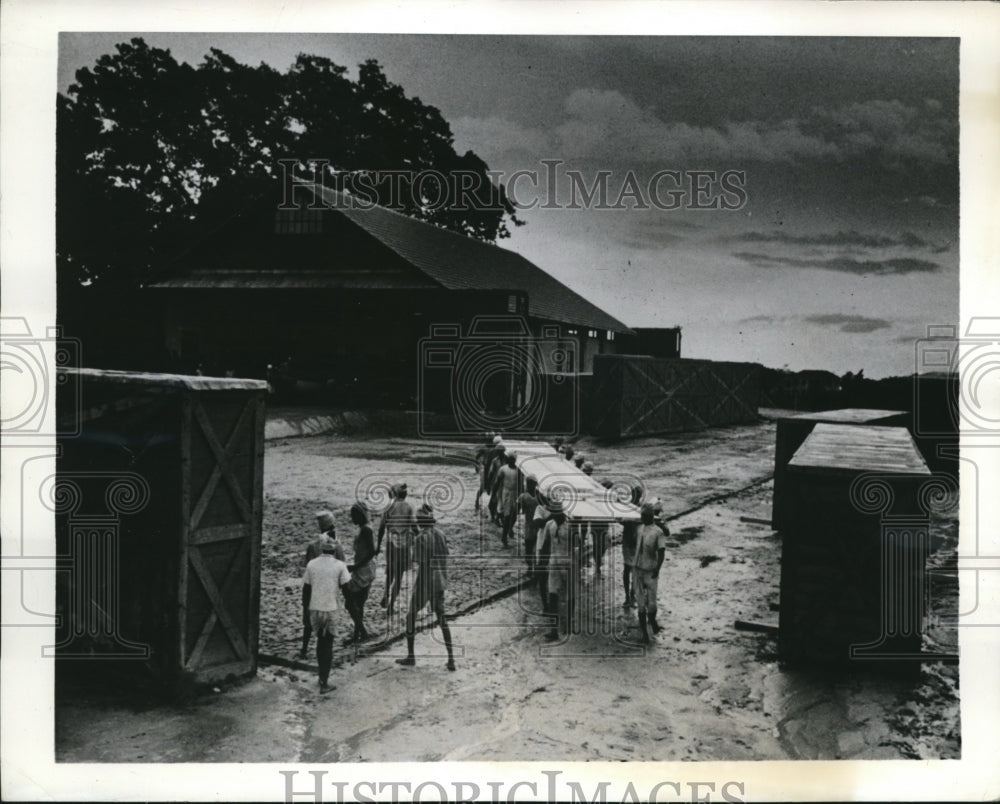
<point>431,554</point>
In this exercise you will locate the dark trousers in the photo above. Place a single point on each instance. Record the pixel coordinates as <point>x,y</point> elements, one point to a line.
<point>600,542</point>
<point>307,630</point>
<point>324,655</point>
<point>508,526</point>
<point>395,566</point>
<point>355,602</point>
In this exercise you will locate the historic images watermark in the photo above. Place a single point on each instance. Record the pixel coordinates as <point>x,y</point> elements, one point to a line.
<point>315,787</point>
<point>549,186</point>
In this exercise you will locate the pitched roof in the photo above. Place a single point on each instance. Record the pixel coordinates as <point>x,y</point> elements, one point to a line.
<point>459,262</point>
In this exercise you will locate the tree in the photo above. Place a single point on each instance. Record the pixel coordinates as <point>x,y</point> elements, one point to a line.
<point>152,153</point>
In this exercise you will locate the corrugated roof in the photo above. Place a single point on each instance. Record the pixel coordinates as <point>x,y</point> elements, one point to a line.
<point>464,263</point>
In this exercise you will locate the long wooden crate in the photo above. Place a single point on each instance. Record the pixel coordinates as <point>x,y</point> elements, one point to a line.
<point>793,430</point>
<point>159,524</point>
<point>634,395</point>
<point>853,586</point>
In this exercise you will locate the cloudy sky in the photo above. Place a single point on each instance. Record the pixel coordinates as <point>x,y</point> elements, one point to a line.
<point>846,247</point>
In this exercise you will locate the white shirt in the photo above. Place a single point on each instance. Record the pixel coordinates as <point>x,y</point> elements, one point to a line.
<point>325,574</point>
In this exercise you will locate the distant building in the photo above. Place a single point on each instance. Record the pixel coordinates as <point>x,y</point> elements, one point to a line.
<point>350,297</point>
<point>653,341</point>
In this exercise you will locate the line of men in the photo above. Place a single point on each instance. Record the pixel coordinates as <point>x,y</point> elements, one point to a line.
<point>553,556</point>
<point>554,560</point>
<point>412,538</point>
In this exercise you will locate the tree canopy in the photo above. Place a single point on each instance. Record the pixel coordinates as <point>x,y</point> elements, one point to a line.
<point>153,153</point>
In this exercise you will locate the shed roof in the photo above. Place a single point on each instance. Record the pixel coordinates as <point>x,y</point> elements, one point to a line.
<point>850,448</point>
<point>459,262</point>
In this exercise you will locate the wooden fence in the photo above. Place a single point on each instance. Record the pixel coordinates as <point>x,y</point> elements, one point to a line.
<point>633,395</point>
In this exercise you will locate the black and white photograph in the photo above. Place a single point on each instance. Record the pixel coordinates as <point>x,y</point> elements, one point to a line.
<point>570,407</point>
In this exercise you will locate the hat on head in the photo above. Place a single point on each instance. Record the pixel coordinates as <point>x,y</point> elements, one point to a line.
<point>647,508</point>
<point>425,516</point>
<point>329,546</point>
<point>579,459</point>
<point>531,479</point>
<point>325,519</point>
<point>588,467</point>
<point>556,507</point>
<point>497,441</point>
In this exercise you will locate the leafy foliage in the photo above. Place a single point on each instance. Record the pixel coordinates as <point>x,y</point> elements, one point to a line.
<point>153,154</point>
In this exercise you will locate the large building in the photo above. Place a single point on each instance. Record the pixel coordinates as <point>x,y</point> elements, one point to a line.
<point>376,305</point>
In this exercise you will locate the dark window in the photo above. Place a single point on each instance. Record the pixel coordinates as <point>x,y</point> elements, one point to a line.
<point>298,221</point>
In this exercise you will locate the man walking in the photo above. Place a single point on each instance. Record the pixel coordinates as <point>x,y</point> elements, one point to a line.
<point>431,554</point>
<point>483,456</point>
<point>650,548</point>
<point>505,490</point>
<point>325,576</point>
<point>630,531</point>
<point>527,504</point>
<point>496,462</point>
<point>555,542</point>
<point>327,535</point>
<point>400,523</point>
<point>362,573</point>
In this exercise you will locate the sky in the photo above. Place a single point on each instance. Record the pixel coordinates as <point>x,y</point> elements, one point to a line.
<point>842,246</point>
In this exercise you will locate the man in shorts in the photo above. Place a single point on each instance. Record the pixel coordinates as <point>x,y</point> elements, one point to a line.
<point>321,588</point>
<point>327,535</point>
<point>431,553</point>
<point>650,549</point>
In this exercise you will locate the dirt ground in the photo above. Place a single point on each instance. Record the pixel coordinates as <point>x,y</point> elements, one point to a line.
<point>703,690</point>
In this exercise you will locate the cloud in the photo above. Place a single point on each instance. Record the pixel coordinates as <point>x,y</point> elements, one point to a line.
<point>496,138</point>
<point>848,265</point>
<point>649,232</point>
<point>848,323</point>
<point>843,239</point>
<point>758,319</point>
<point>607,124</point>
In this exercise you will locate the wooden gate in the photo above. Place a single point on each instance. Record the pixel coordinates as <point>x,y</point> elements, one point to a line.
<point>221,465</point>
<point>635,395</point>
<point>189,588</point>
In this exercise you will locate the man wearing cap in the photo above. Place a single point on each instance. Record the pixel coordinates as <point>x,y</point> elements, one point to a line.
<point>650,548</point>
<point>505,491</point>
<point>327,535</point>
<point>325,576</point>
<point>527,504</point>
<point>401,524</point>
<point>555,541</point>
<point>431,554</point>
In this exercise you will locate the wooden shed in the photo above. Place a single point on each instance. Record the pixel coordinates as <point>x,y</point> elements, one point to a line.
<point>852,565</point>
<point>158,517</point>
<point>793,430</point>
